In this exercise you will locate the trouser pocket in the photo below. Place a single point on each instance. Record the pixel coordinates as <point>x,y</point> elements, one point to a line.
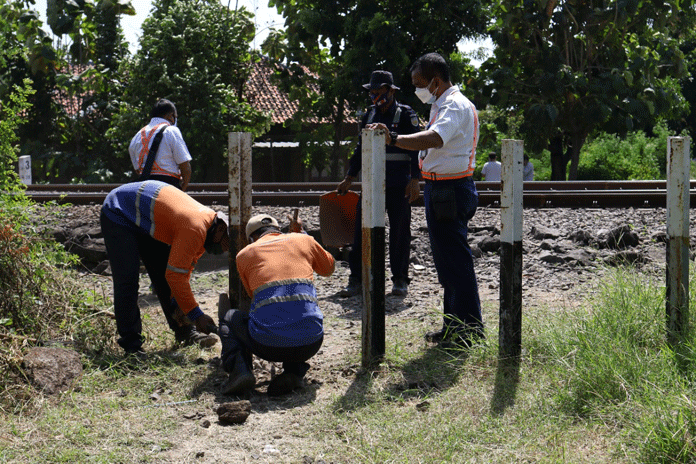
<point>444,203</point>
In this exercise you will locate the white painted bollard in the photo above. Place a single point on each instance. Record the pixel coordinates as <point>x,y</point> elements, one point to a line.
<point>678,203</point>
<point>511,207</point>
<point>239,151</point>
<point>25,169</point>
<point>373,256</point>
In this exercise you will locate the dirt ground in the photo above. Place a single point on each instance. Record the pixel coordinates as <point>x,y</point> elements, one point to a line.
<point>272,432</point>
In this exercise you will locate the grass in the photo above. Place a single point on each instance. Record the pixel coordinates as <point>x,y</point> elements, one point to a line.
<point>594,385</point>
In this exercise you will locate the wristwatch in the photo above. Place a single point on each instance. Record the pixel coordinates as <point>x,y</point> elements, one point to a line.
<point>393,136</point>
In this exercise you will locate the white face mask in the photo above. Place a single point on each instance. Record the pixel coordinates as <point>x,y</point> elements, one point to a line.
<point>424,94</point>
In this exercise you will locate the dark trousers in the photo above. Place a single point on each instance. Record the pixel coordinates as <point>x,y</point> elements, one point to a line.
<point>235,339</point>
<point>399,213</point>
<point>125,248</point>
<point>452,255</point>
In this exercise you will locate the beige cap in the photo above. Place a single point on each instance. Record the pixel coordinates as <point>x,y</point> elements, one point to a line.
<point>259,221</point>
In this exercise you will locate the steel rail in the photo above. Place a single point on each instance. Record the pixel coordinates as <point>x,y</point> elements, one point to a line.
<point>556,198</point>
<point>356,186</point>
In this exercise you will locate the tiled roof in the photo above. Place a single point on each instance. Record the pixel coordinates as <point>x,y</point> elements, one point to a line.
<point>266,97</point>
<point>72,104</point>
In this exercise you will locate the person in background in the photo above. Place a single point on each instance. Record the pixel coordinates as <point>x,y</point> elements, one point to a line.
<point>447,158</point>
<point>168,230</point>
<point>491,170</point>
<point>528,170</point>
<point>401,178</point>
<point>172,163</point>
<point>284,323</point>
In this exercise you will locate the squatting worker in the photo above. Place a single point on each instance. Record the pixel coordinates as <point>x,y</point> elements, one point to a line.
<point>447,155</point>
<point>169,231</point>
<point>284,323</point>
<point>401,179</point>
<point>172,162</point>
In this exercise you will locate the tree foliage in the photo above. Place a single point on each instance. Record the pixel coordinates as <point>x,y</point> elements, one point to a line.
<point>340,42</point>
<point>196,54</point>
<point>573,67</point>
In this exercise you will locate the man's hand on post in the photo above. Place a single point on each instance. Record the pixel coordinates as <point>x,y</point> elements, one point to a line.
<point>412,190</point>
<point>377,126</point>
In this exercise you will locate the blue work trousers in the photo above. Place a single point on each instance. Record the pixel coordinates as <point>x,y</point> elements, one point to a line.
<point>399,213</point>
<point>452,255</point>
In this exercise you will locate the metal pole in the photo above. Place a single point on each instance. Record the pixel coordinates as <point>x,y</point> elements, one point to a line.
<point>510,328</point>
<point>678,203</point>
<point>373,208</point>
<point>239,149</point>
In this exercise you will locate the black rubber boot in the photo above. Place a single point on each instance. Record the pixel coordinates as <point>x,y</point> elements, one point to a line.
<point>241,379</point>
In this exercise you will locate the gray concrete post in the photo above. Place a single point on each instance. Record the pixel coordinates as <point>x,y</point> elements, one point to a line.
<point>511,204</point>
<point>373,256</point>
<point>678,203</point>
<point>239,151</point>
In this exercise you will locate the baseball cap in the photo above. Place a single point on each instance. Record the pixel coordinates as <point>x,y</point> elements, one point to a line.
<point>259,221</point>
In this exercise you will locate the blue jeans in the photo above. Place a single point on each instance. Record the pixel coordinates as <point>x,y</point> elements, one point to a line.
<point>452,255</point>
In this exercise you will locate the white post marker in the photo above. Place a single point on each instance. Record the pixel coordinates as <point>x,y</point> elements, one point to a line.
<point>678,203</point>
<point>239,150</point>
<point>25,169</point>
<point>511,207</point>
<point>373,256</point>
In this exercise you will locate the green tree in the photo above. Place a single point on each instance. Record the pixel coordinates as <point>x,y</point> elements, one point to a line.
<point>572,68</point>
<point>196,54</point>
<point>340,42</point>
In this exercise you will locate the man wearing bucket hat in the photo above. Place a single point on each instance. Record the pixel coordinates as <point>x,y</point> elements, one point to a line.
<point>284,323</point>
<point>168,230</point>
<point>401,180</point>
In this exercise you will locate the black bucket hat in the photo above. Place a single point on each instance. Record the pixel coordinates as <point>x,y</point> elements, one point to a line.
<point>379,79</point>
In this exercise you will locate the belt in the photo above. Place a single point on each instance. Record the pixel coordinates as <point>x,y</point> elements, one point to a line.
<point>432,177</point>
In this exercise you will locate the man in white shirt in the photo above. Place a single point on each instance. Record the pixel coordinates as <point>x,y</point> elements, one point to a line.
<point>172,163</point>
<point>447,157</point>
<point>528,170</point>
<point>491,170</point>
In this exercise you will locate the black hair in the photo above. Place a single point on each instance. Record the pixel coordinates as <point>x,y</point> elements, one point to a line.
<point>492,155</point>
<point>260,232</point>
<point>162,108</point>
<point>432,65</point>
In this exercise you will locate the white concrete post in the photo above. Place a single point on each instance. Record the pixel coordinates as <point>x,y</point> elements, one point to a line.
<point>25,169</point>
<point>373,256</point>
<point>239,150</point>
<point>678,203</point>
<point>511,206</point>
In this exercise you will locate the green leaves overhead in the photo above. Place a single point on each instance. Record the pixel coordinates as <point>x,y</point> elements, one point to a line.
<point>587,64</point>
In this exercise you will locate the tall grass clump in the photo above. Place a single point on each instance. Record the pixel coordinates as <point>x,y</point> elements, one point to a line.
<point>612,364</point>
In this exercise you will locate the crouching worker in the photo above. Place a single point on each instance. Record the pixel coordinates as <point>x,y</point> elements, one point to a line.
<point>169,231</point>
<point>284,323</point>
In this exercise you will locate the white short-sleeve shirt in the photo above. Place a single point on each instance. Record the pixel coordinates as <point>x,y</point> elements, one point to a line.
<point>454,118</point>
<point>170,154</point>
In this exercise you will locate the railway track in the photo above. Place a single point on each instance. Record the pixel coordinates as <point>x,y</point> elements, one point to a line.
<point>542,194</point>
